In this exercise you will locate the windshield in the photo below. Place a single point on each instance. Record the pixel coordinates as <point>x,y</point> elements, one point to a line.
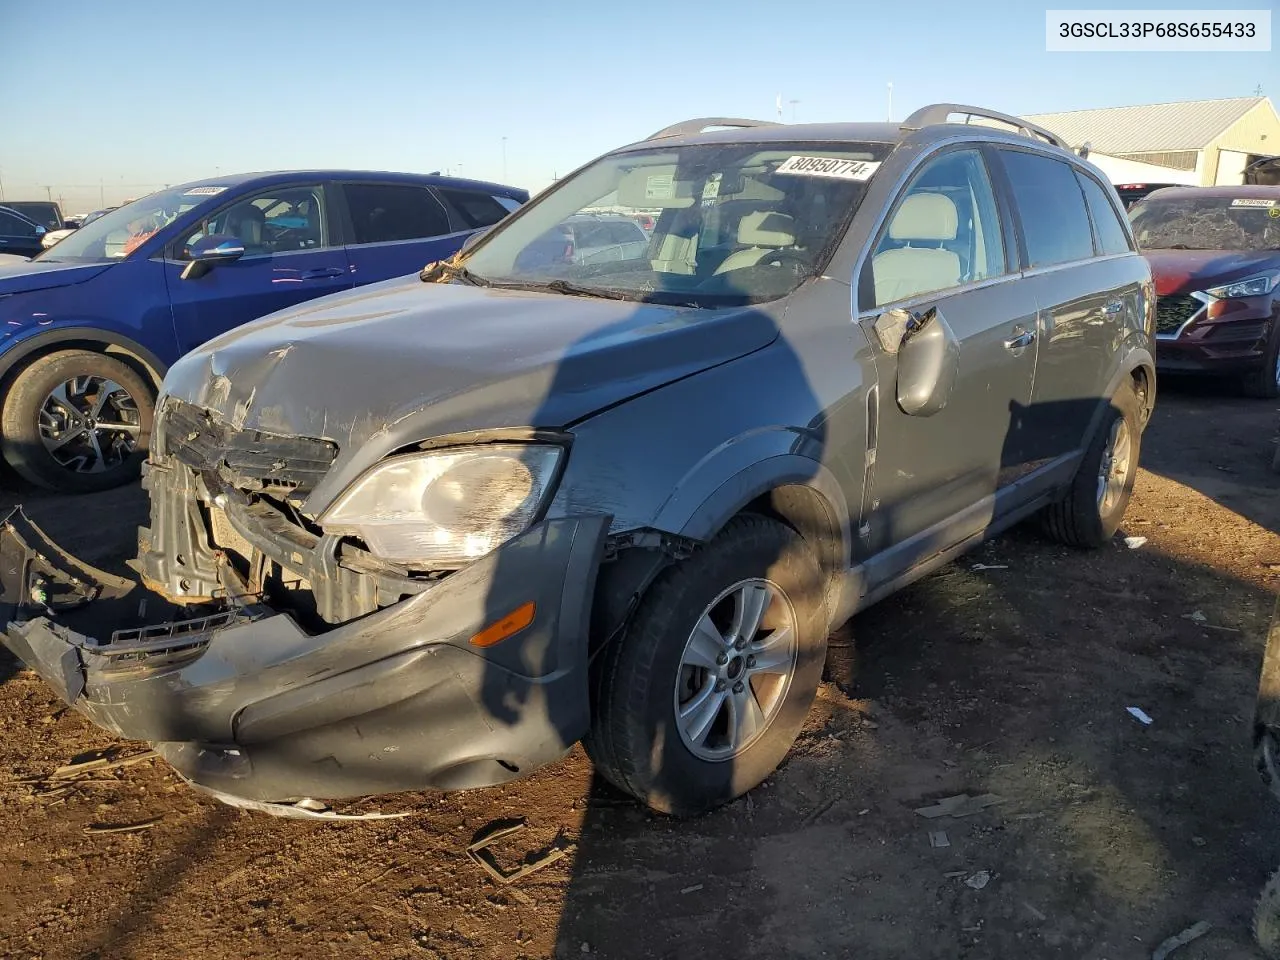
<point>115,235</point>
<point>704,225</point>
<point>1207,223</point>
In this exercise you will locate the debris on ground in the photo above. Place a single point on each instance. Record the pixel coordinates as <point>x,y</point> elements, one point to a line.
<point>1193,932</point>
<point>99,828</point>
<point>938,839</point>
<point>1140,715</point>
<point>989,566</point>
<point>1036,913</point>
<point>479,852</point>
<point>98,762</point>
<point>961,805</point>
<point>1134,543</point>
<point>1200,620</point>
<point>979,880</point>
<point>693,889</point>
<point>956,874</point>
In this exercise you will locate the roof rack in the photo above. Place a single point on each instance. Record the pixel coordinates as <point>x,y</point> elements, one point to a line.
<point>698,124</point>
<point>936,113</point>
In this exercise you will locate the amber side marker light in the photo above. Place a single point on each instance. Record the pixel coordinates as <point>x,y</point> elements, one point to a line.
<point>511,624</point>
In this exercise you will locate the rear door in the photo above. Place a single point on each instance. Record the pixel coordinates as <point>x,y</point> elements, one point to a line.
<point>1080,275</point>
<point>943,246</point>
<point>396,229</point>
<point>293,253</point>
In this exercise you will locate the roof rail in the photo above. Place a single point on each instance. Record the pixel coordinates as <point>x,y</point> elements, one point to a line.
<point>698,124</point>
<point>940,112</point>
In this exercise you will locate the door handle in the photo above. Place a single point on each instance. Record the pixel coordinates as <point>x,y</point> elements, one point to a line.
<point>1021,340</point>
<point>1112,308</point>
<point>322,272</point>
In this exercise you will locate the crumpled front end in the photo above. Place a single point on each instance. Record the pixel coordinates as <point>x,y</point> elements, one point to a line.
<point>298,664</point>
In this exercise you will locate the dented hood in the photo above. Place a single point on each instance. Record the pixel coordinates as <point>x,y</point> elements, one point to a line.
<point>402,361</point>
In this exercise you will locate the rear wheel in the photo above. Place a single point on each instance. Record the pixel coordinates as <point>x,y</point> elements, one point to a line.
<point>706,691</point>
<point>1091,511</point>
<point>77,422</point>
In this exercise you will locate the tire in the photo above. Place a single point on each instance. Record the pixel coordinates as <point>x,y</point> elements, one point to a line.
<point>1266,919</point>
<point>1264,382</point>
<point>1081,518</point>
<point>75,467</point>
<point>636,741</point>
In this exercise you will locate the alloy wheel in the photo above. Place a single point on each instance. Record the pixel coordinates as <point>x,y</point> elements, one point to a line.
<point>89,424</point>
<point>736,669</point>
<point>1114,469</point>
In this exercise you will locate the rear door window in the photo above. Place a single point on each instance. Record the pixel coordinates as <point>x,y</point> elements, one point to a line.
<point>1110,234</point>
<point>387,212</point>
<point>1051,205</point>
<point>473,208</point>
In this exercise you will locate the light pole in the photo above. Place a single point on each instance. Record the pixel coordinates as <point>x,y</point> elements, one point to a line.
<point>504,159</point>
<point>793,109</point>
<point>889,118</point>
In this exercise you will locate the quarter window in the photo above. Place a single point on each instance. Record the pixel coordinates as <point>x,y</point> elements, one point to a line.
<point>1111,237</point>
<point>1054,219</point>
<point>944,231</point>
<point>385,212</point>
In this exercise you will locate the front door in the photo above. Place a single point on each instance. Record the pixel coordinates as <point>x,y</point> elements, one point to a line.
<point>934,477</point>
<point>292,253</point>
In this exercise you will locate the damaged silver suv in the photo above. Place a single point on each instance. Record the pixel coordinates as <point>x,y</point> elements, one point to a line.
<point>430,533</point>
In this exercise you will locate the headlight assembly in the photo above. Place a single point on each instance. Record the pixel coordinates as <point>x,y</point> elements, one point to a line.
<point>446,507</point>
<point>1258,286</point>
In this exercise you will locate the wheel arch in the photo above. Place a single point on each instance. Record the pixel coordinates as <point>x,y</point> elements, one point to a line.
<point>145,363</point>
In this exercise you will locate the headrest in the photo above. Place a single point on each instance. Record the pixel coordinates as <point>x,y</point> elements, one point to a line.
<point>764,228</point>
<point>246,213</point>
<point>925,216</point>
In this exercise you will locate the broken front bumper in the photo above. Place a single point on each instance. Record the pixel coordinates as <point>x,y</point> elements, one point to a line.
<point>247,703</point>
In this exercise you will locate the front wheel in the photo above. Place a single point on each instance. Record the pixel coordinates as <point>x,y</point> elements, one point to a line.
<point>1265,381</point>
<point>77,422</point>
<point>706,691</point>
<point>1090,512</point>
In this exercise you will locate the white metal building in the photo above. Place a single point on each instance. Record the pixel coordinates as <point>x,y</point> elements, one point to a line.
<point>1200,142</point>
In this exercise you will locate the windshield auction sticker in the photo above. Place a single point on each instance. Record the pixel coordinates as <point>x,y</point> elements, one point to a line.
<point>1254,202</point>
<point>204,191</point>
<point>831,167</point>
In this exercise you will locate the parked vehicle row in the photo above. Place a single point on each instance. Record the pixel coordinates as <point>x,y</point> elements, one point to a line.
<point>92,324</point>
<point>431,532</point>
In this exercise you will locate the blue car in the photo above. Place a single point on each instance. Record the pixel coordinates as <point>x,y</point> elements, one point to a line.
<point>91,325</point>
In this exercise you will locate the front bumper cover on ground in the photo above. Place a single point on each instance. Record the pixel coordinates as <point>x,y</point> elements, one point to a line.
<point>247,703</point>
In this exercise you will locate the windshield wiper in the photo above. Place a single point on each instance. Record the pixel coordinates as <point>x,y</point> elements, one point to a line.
<point>566,288</point>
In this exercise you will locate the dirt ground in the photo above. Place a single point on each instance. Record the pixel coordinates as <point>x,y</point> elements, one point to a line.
<point>1012,680</point>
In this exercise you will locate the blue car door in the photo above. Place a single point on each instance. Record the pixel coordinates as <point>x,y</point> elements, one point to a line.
<point>396,229</point>
<point>292,253</point>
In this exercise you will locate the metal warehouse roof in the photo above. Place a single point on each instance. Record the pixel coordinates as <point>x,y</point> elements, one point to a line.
<point>1187,125</point>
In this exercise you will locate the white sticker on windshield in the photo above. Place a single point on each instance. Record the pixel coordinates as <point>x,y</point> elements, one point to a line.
<point>658,187</point>
<point>203,191</point>
<point>829,167</point>
<point>1250,202</point>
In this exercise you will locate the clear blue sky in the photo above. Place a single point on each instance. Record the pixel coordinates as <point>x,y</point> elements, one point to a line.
<point>139,94</point>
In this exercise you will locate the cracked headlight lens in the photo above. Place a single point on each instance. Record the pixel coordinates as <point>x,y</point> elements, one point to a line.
<point>446,507</point>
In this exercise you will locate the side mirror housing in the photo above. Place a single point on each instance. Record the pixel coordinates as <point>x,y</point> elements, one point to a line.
<point>928,359</point>
<point>475,238</point>
<point>208,252</point>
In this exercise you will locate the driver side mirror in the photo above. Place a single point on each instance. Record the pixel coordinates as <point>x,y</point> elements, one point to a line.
<point>475,238</point>
<point>208,252</point>
<point>928,358</point>
<point>40,231</point>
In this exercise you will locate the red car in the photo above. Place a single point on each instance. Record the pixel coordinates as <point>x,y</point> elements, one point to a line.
<point>1215,256</point>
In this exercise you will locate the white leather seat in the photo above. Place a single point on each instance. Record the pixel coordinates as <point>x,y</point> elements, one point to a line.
<point>923,218</point>
<point>764,232</point>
